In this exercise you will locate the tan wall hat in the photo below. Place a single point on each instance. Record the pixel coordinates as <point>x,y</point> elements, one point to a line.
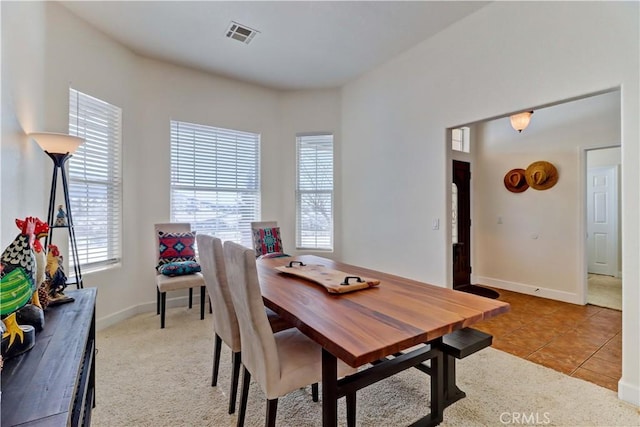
<point>541,175</point>
<point>515,181</point>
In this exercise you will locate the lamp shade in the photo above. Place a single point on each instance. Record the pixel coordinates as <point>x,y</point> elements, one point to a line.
<point>521,120</point>
<point>57,143</point>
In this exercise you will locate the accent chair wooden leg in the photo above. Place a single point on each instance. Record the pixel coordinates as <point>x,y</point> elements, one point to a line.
<point>351,409</point>
<point>244,396</point>
<point>216,359</point>
<point>272,409</point>
<point>237,361</point>
<point>202,288</point>
<point>157,301</point>
<point>190,297</point>
<point>314,392</point>
<point>163,308</point>
<point>210,305</point>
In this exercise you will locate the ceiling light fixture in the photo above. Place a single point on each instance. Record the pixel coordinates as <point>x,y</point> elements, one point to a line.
<point>520,121</point>
<point>241,32</point>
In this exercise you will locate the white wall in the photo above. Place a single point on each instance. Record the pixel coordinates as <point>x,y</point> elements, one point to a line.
<point>169,92</point>
<point>507,57</point>
<point>45,50</point>
<point>538,247</point>
<point>23,164</point>
<point>604,157</point>
<point>80,57</point>
<point>307,111</point>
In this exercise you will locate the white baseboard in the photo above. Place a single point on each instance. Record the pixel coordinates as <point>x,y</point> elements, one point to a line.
<point>128,312</point>
<point>524,288</point>
<point>629,392</point>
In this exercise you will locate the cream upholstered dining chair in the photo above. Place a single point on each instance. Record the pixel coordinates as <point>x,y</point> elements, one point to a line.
<point>224,316</point>
<point>266,239</point>
<point>280,362</point>
<point>174,242</point>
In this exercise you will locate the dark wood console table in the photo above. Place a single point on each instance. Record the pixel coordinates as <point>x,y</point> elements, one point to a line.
<point>53,384</point>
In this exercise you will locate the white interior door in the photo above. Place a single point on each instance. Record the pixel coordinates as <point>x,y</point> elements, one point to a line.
<point>602,220</point>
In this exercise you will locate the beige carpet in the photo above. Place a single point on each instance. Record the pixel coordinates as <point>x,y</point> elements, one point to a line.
<point>152,377</point>
<point>604,291</point>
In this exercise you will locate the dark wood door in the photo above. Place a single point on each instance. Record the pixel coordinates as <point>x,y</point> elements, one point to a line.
<point>462,248</point>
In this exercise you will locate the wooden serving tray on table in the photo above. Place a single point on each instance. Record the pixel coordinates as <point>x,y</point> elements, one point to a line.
<point>335,281</point>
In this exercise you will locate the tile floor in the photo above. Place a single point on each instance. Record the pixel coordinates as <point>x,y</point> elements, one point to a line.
<point>580,341</point>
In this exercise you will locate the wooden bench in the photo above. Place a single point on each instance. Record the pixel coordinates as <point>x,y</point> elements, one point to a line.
<point>458,345</point>
<point>465,342</point>
<point>455,345</point>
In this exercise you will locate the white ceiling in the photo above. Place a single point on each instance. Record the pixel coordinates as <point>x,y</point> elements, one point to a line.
<point>301,45</point>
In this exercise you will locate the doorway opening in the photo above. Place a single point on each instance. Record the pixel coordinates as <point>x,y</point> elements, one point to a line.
<point>603,244</point>
<point>461,231</point>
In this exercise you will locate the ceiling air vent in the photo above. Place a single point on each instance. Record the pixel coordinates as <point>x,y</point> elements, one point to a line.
<point>241,32</point>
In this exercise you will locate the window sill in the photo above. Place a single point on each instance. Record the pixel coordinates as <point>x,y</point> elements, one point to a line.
<point>328,251</point>
<point>101,268</point>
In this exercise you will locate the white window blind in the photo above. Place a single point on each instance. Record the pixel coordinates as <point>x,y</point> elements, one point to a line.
<point>95,180</point>
<point>314,192</point>
<point>215,180</point>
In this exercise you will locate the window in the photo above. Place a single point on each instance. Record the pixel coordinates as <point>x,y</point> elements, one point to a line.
<point>215,180</point>
<point>95,180</point>
<point>460,139</point>
<point>314,192</point>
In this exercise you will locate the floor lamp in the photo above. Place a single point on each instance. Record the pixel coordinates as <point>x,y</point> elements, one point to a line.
<point>59,147</point>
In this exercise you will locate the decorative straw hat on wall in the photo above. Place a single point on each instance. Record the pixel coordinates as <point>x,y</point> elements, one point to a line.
<point>541,175</point>
<point>515,181</point>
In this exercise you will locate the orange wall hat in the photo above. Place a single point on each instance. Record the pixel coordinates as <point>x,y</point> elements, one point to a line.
<point>515,181</point>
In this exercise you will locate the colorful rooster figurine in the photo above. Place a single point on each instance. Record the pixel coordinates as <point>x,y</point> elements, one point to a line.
<point>17,285</point>
<point>56,278</point>
<point>33,314</point>
<point>42,229</point>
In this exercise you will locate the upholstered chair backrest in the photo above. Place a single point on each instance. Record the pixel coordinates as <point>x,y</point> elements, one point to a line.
<point>263,224</point>
<point>211,257</point>
<point>259,352</point>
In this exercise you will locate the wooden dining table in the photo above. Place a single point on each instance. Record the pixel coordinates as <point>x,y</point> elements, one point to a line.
<point>373,326</point>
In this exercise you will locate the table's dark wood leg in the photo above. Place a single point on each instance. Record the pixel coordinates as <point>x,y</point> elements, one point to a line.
<point>437,389</point>
<point>437,404</point>
<point>351,409</point>
<point>329,389</point>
